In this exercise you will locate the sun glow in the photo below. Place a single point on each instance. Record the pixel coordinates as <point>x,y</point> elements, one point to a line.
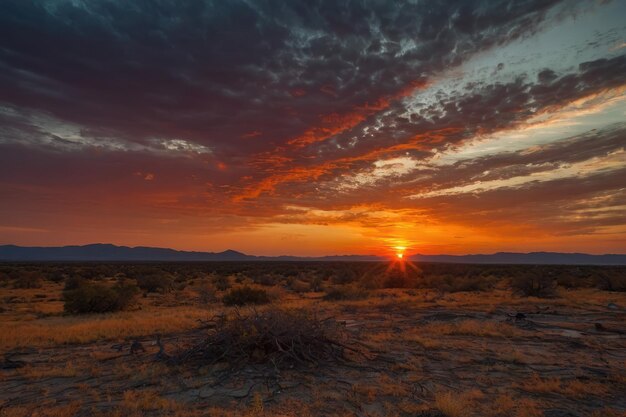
<point>400,251</point>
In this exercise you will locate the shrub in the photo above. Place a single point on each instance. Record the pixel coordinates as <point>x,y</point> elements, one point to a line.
<point>344,276</point>
<point>454,283</point>
<point>206,293</point>
<point>28,279</point>
<point>277,337</point>
<point>55,276</point>
<point>299,286</point>
<point>611,281</point>
<point>157,282</point>
<point>398,279</point>
<point>534,284</point>
<point>73,281</point>
<point>265,279</point>
<point>246,295</point>
<point>126,291</point>
<point>91,297</point>
<point>221,282</point>
<point>317,284</point>
<point>345,292</point>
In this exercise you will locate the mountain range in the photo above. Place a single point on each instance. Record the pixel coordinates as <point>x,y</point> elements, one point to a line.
<point>109,252</point>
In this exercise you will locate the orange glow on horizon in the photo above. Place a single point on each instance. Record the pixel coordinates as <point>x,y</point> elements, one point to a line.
<point>400,252</point>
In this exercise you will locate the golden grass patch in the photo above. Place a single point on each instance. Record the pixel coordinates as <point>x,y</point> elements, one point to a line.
<point>474,328</point>
<point>451,404</point>
<point>569,388</point>
<point>84,329</point>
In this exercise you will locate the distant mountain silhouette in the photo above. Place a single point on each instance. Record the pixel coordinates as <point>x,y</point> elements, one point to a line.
<point>551,258</point>
<point>108,252</point>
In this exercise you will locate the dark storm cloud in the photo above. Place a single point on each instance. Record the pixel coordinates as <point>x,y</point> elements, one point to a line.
<point>447,122</point>
<point>213,72</point>
<point>490,107</point>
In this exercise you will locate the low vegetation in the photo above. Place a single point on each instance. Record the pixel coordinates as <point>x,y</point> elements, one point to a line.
<point>246,295</point>
<point>308,339</point>
<point>280,337</point>
<point>345,292</point>
<point>90,297</point>
<point>535,283</point>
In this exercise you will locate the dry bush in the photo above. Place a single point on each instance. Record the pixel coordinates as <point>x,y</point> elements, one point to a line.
<point>246,295</point>
<point>399,279</point>
<point>267,280</point>
<point>345,292</point>
<point>457,283</point>
<point>610,280</point>
<point>99,298</point>
<point>206,293</point>
<point>222,283</point>
<point>28,279</point>
<point>317,284</point>
<point>277,336</point>
<point>534,284</point>
<point>72,282</point>
<point>345,275</point>
<point>155,282</point>
<point>299,286</point>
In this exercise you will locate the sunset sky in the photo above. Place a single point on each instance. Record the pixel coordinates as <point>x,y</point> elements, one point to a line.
<point>314,127</point>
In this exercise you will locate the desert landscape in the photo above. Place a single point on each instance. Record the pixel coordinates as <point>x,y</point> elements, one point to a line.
<point>312,208</point>
<point>312,339</point>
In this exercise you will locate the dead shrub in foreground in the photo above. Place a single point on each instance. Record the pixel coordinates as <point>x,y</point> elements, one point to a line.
<point>277,336</point>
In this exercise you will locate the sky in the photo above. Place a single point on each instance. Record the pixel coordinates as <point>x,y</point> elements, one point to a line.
<point>314,127</point>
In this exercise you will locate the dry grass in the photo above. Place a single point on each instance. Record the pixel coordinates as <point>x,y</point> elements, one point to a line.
<point>414,357</point>
<point>147,400</point>
<point>451,404</point>
<point>569,388</point>
<point>608,412</point>
<point>457,404</point>
<point>67,370</point>
<point>425,342</point>
<point>475,328</point>
<point>86,329</point>
<point>385,386</point>
<point>67,410</point>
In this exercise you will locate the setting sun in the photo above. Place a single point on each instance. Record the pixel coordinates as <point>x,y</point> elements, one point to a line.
<point>400,251</point>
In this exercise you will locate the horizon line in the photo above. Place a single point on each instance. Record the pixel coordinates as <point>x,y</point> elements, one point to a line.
<point>312,256</point>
